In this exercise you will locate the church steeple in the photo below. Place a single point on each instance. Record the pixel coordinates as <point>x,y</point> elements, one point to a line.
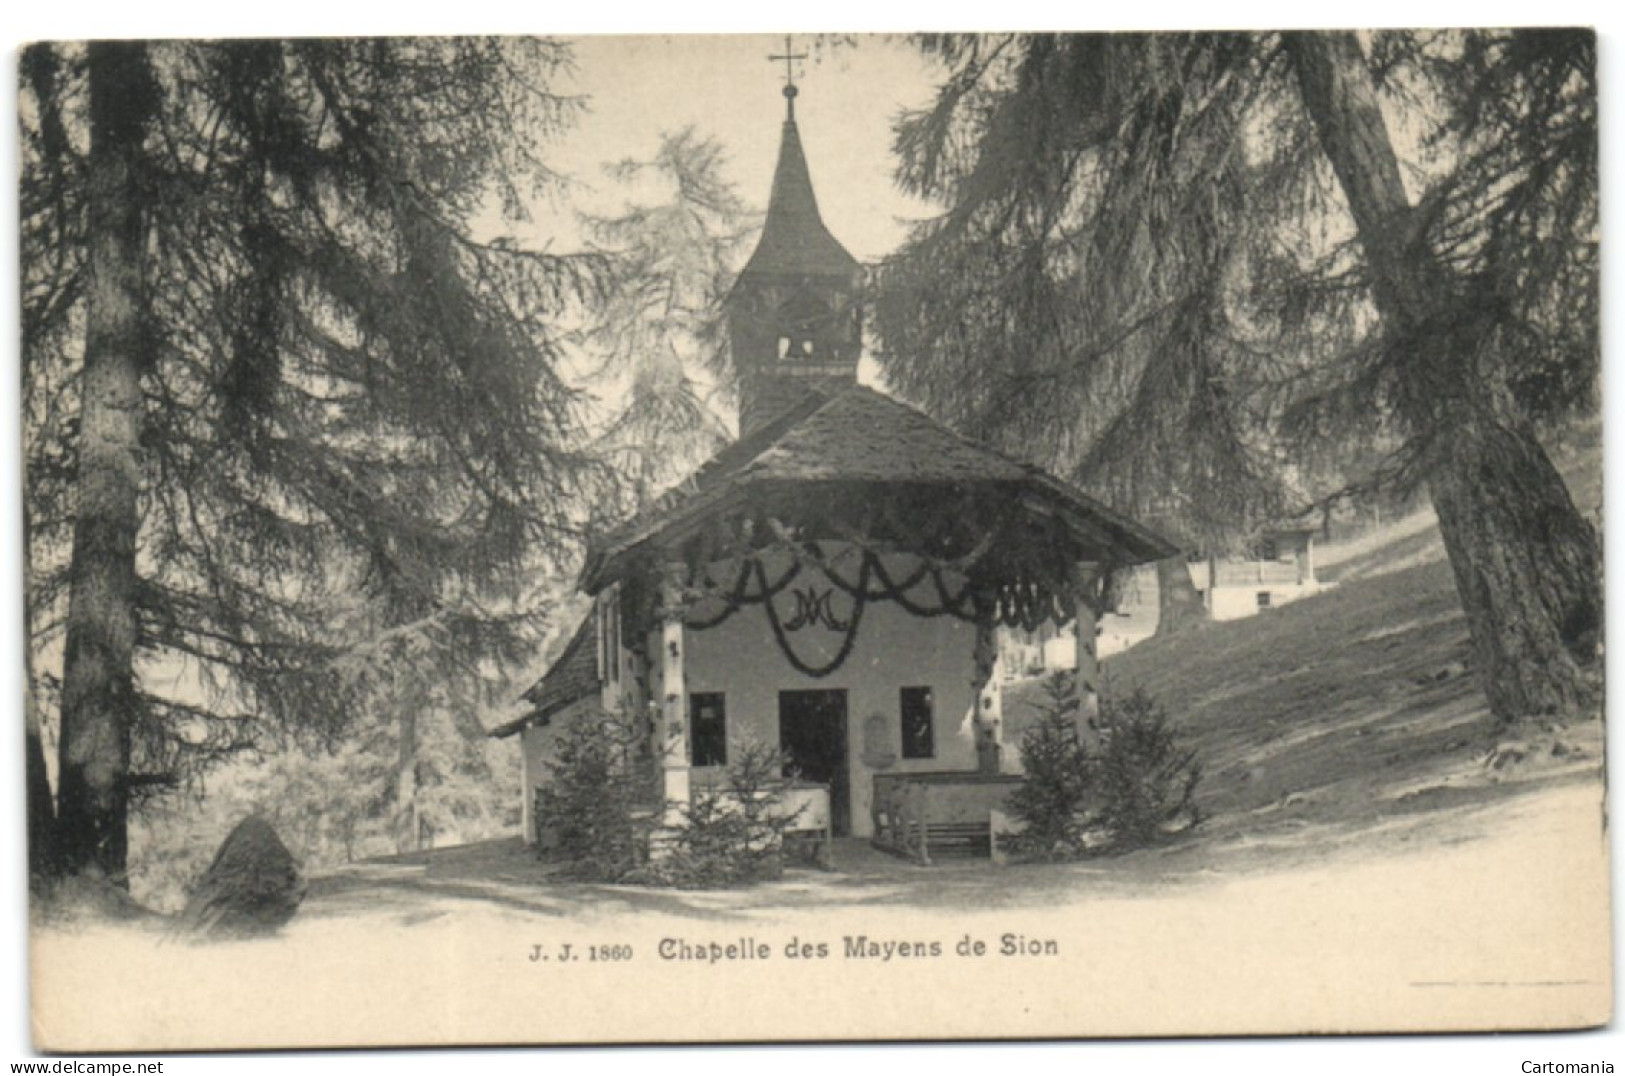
<point>793,316</point>
<point>794,238</point>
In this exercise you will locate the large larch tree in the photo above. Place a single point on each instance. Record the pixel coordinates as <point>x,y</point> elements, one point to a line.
<point>1176,266</point>
<point>292,420</point>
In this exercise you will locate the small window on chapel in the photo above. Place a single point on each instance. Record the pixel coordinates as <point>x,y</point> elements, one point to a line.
<point>918,738</point>
<point>708,732</point>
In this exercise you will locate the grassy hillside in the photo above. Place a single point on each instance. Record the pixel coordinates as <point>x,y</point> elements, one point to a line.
<point>1361,688</point>
<point>1350,709</point>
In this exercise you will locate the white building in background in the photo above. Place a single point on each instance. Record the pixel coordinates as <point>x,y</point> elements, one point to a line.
<point>1278,570</point>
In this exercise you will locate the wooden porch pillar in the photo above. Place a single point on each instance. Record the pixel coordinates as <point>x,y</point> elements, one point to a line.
<point>673,732</point>
<point>1086,618</point>
<point>988,688</point>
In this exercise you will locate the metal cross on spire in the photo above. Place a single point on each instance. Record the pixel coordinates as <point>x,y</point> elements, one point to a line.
<point>789,56</point>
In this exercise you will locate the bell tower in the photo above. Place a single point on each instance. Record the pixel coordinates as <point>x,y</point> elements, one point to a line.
<point>794,314</point>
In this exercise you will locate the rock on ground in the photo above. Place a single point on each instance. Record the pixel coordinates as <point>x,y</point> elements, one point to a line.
<point>251,889</point>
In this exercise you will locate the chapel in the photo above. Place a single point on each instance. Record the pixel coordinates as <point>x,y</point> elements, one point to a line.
<point>833,582</point>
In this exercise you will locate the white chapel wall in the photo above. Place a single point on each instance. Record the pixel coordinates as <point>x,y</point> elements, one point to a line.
<point>894,649</point>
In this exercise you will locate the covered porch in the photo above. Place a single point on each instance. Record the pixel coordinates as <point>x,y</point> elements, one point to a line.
<point>834,586</point>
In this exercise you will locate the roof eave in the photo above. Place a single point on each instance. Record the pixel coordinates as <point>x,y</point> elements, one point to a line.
<point>1111,536</point>
<point>509,728</point>
<point>1138,543</point>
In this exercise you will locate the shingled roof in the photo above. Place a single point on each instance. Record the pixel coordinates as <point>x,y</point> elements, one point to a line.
<point>860,435</point>
<point>794,240</point>
<point>574,676</point>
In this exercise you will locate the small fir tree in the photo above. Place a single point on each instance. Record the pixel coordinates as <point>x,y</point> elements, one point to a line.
<point>1051,801</point>
<point>733,832</point>
<point>1136,784</point>
<point>1147,779</point>
<point>590,807</point>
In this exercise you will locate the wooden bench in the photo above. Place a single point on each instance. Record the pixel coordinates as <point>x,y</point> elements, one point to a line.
<point>918,814</point>
<point>971,838</point>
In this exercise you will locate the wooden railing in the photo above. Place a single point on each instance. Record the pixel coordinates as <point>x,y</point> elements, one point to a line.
<point>806,804</point>
<point>1254,572</point>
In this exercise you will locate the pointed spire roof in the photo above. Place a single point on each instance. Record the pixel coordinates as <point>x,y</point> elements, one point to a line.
<point>794,240</point>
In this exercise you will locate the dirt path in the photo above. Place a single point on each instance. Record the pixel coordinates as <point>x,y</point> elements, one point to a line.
<point>1460,917</point>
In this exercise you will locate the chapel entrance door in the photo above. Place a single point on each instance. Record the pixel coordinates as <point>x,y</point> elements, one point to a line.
<point>812,732</point>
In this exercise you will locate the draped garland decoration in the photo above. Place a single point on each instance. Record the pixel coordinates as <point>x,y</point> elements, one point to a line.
<point>1025,604</point>
<point>849,634</point>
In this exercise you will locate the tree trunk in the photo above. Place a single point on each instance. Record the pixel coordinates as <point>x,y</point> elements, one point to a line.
<point>43,850</point>
<point>98,685</point>
<point>1525,563</point>
<point>1179,603</point>
<point>406,783</point>
<point>43,843</point>
<point>1524,558</point>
